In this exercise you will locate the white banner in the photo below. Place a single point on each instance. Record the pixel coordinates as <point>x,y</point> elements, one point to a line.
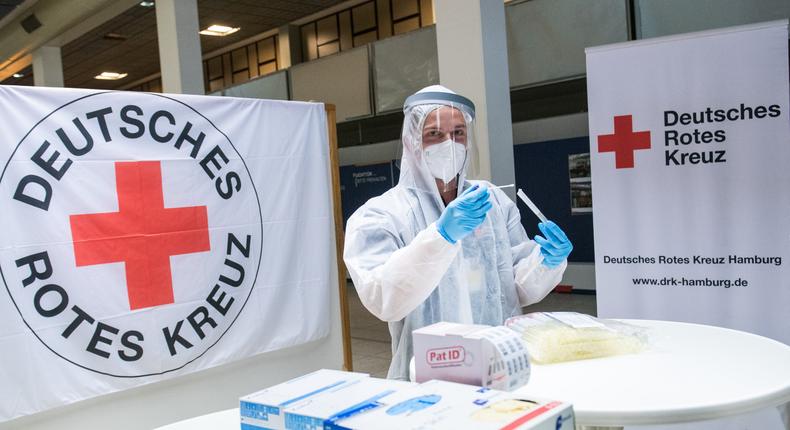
<point>690,148</point>
<point>147,236</point>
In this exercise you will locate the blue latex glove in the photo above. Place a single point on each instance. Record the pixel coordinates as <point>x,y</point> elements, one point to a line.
<point>555,247</point>
<point>464,214</point>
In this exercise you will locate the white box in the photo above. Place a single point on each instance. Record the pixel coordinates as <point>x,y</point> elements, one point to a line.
<point>320,411</point>
<point>471,354</point>
<point>511,412</point>
<point>443,405</point>
<point>264,409</point>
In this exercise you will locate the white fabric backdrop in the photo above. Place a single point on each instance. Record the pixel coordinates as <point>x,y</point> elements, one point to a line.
<point>256,170</point>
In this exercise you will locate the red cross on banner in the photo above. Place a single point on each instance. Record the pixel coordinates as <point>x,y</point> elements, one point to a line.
<point>624,142</point>
<point>143,234</point>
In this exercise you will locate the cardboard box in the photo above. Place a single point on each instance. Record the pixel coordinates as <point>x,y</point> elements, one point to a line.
<point>320,411</point>
<point>481,355</point>
<point>264,409</point>
<point>446,405</point>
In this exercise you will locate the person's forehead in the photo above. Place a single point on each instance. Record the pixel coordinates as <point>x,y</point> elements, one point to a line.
<point>444,114</point>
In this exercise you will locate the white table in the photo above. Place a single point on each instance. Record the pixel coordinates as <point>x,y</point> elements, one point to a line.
<point>690,372</point>
<point>228,419</point>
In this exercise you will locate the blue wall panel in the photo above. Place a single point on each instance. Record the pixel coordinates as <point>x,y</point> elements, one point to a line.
<point>542,172</point>
<point>358,184</point>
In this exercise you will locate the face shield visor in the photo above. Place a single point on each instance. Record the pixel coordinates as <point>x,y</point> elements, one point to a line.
<point>439,134</point>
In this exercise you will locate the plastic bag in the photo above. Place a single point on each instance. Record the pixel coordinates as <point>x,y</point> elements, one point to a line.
<point>554,337</point>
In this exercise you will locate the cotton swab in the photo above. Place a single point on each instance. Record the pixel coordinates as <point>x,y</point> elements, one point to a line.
<point>531,205</point>
<point>505,186</point>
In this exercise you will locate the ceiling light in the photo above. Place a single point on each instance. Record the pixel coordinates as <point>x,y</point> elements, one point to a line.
<point>146,3</point>
<point>111,76</point>
<point>219,30</point>
<point>18,75</point>
<point>115,36</point>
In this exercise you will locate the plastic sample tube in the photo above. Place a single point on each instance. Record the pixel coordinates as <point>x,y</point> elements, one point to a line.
<point>531,205</point>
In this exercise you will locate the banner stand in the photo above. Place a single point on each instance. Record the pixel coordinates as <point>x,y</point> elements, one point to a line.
<point>334,161</point>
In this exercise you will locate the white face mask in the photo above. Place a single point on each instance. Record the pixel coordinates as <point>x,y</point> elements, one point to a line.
<point>445,159</point>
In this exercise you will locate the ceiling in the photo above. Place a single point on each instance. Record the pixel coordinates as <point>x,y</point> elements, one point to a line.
<point>136,51</point>
<point>6,6</point>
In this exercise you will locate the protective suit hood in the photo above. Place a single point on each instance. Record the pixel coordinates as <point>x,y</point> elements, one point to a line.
<point>415,172</point>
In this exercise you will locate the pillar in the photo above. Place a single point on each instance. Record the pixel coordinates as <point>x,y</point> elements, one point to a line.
<point>47,67</point>
<point>472,51</point>
<point>289,46</point>
<point>179,46</point>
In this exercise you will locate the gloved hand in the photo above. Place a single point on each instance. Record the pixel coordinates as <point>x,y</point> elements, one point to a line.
<point>464,214</point>
<point>555,247</point>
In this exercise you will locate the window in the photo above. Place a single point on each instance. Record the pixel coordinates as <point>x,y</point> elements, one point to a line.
<point>349,28</point>
<point>240,65</point>
<point>267,55</point>
<point>363,23</point>
<point>327,36</point>
<point>406,15</point>
<point>152,86</point>
<point>215,76</point>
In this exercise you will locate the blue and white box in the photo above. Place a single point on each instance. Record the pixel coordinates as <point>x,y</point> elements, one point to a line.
<point>264,410</point>
<point>344,401</point>
<point>420,407</point>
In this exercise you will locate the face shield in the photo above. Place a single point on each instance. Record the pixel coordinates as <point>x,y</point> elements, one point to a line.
<point>438,138</point>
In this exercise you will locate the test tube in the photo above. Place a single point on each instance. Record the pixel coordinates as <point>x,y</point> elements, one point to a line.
<point>531,205</point>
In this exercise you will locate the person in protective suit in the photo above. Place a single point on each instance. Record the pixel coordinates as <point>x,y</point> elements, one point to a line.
<point>439,247</point>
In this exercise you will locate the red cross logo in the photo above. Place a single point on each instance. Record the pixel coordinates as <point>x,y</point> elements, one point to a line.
<point>624,142</point>
<point>143,234</point>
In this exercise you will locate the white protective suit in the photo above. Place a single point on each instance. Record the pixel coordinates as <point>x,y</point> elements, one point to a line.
<point>407,274</point>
